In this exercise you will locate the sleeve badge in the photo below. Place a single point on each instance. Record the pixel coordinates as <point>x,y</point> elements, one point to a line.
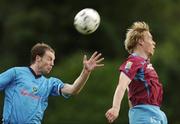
<point>128,65</point>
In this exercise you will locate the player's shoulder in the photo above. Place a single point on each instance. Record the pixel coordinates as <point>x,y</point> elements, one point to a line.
<point>52,78</point>
<point>135,60</point>
<point>49,79</point>
<point>22,68</point>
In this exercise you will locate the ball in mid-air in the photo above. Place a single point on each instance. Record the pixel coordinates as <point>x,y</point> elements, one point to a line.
<point>87,21</point>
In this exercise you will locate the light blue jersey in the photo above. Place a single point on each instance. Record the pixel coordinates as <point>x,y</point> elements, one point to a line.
<point>26,95</point>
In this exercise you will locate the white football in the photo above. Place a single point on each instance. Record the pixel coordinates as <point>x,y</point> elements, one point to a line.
<point>87,21</point>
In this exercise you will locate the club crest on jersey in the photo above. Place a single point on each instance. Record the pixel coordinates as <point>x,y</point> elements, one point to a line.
<point>34,89</point>
<point>128,65</point>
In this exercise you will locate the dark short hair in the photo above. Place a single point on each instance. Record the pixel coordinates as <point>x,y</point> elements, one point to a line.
<point>39,49</point>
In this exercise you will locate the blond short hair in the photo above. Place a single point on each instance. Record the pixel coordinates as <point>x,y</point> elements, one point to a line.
<point>134,34</point>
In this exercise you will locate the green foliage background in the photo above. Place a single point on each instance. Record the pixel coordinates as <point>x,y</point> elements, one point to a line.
<point>24,23</point>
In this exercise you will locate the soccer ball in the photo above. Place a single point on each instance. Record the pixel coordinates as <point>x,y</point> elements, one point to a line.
<point>87,21</point>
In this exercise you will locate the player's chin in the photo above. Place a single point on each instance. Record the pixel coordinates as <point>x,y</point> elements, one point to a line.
<point>150,54</point>
<point>47,71</point>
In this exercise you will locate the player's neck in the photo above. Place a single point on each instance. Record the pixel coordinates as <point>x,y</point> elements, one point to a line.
<point>141,53</point>
<point>35,69</point>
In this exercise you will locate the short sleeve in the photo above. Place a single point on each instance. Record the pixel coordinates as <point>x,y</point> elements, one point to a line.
<point>6,78</point>
<point>57,85</point>
<point>131,66</point>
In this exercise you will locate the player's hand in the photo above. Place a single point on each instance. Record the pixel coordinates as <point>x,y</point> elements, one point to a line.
<point>93,62</point>
<point>112,114</point>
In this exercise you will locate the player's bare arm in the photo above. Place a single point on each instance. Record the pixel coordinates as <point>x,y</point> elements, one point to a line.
<point>130,104</point>
<point>88,66</point>
<point>113,112</point>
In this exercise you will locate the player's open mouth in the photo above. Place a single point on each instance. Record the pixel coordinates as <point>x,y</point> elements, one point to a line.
<point>49,69</point>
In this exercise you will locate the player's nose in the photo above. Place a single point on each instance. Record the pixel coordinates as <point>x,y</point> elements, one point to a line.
<point>52,63</point>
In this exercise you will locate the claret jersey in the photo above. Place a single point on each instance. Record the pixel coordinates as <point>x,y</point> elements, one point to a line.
<point>144,87</point>
<point>26,95</point>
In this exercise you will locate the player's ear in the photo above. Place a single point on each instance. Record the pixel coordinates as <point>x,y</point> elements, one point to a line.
<point>140,41</point>
<point>38,58</point>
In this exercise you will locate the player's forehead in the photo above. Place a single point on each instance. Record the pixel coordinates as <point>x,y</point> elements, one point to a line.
<point>49,54</point>
<point>147,34</point>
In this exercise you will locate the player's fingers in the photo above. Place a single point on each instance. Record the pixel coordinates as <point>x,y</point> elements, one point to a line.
<point>98,61</point>
<point>97,56</point>
<point>111,119</point>
<point>108,116</point>
<point>85,58</point>
<point>94,54</point>
<point>99,65</point>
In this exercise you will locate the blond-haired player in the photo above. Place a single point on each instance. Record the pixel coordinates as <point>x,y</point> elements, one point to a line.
<point>139,77</point>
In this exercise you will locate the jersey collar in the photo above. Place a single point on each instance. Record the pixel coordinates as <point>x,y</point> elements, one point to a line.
<point>35,75</point>
<point>135,54</point>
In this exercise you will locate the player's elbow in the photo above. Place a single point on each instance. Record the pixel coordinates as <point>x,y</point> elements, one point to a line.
<point>75,92</point>
<point>70,89</point>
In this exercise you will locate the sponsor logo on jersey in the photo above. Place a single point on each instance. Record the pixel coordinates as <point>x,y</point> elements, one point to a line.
<point>25,92</point>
